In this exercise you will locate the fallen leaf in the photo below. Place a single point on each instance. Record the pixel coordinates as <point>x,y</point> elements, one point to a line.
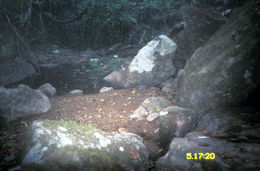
<point>102,100</point>
<point>157,108</point>
<point>134,91</point>
<point>159,151</point>
<point>121,130</point>
<point>25,124</point>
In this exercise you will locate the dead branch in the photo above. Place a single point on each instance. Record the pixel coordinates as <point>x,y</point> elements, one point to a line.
<point>33,61</point>
<point>65,21</point>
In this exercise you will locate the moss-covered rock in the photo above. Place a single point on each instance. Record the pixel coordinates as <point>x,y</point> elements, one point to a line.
<point>66,145</point>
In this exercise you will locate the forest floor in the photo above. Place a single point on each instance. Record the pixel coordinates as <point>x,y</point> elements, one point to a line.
<point>108,111</point>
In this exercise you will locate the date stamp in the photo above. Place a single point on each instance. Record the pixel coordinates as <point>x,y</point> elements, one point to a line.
<point>200,156</point>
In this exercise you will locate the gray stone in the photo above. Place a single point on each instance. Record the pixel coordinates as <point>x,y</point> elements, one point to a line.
<point>228,156</point>
<point>151,117</point>
<point>168,83</point>
<point>229,124</point>
<point>22,101</point>
<point>198,26</point>
<point>116,78</point>
<point>154,88</point>
<point>142,87</point>
<point>59,145</point>
<point>211,79</point>
<point>149,106</point>
<point>48,89</point>
<point>140,113</point>
<point>13,70</point>
<point>152,65</point>
<point>49,65</point>
<point>105,89</point>
<point>155,104</point>
<point>76,91</point>
<point>175,121</point>
<point>168,90</point>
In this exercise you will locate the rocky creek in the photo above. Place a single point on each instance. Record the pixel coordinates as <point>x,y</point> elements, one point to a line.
<point>67,77</point>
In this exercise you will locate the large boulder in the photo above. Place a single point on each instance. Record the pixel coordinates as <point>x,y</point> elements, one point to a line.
<point>66,145</point>
<point>22,101</point>
<point>223,155</point>
<point>48,89</point>
<point>152,65</point>
<point>175,121</point>
<point>14,69</point>
<point>233,125</point>
<point>225,71</point>
<point>191,28</point>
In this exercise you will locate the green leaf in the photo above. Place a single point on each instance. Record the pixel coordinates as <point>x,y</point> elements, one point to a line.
<point>25,124</point>
<point>157,108</point>
<point>10,144</point>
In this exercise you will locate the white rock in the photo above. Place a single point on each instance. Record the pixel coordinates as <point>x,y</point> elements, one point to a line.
<point>139,113</point>
<point>144,60</point>
<point>76,91</point>
<point>152,117</point>
<point>105,89</point>
<point>48,89</point>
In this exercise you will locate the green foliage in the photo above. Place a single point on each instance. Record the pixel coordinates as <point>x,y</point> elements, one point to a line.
<point>93,63</point>
<point>72,126</point>
<point>109,22</point>
<point>104,24</point>
<point>26,124</point>
<point>114,64</point>
<point>10,143</point>
<point>93,66</point>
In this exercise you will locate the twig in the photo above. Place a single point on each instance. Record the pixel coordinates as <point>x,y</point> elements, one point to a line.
<point>34,61</point>
<point>65,21</point>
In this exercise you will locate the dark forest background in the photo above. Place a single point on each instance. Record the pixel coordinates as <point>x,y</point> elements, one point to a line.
<point>91,23</point>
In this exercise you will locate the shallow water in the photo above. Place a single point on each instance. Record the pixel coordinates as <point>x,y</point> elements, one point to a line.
<point>67,77</point>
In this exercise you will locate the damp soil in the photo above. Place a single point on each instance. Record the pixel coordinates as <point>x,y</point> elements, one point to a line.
<point>108,111</point>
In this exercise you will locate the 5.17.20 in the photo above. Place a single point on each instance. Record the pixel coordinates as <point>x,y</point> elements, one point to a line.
<point>200,156</point>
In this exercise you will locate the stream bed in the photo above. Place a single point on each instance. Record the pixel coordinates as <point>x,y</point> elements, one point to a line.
<point>67,77</point>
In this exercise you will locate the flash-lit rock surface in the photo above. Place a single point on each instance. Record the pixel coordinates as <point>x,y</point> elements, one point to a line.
<point>48,89</point>
<point>220,82</point>
<point>228,156</point>
<point>225,71</point>
<point>22,101</point>
<point>66,144</point>
<point>152,65</point>
<point>150,106</point>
